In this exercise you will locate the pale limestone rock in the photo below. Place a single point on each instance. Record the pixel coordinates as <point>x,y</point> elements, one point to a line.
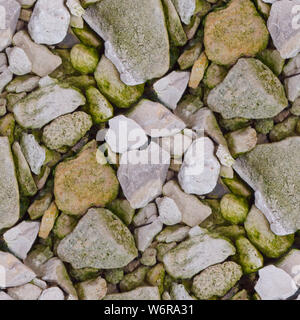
<point>142,293</point>
<point>53,293</point>
<point>169,214</point>
<point>26,292</point>
<point>19,63</point>
<point>178,292</point>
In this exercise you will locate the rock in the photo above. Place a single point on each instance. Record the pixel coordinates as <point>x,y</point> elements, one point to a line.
<point>48,221</point>
<point>19,62</point>
<point>260,234</point>
<point>45,104</point>
<point>144,53</point>
<point>22,84</point>
<point>16,273</point>
<point>43,60</point>
<point>200,170</point>
<point>98,106</point>
<point>5,78</point>
<point>33,152</point>
<point>214,75</point>
<point>195,254</point>
<point>4,296</point>
<point>252,91</point>
<point>234,208</point>
<point>125,134</point>
<point>189,56</point>
<point>144,235</point>
<point>264,126</point>
<point>295,110</point>
<point>192,209</point>
<point>274,284</point>
<point>20,238</point>
<point>134,279</point>
<point>142,293</point>
<point>186,9</point>
<point>170,88</point>
<point>10,12</point>
<point>272,59</point>
<point>92,289</point>
<point>26,292</point>
<point>272,171</point>
<point>115,248</point>
<point>169,214</point>
<point>27,185</point>
<point>283,27</point>
<point>84,59</point>
<point>9,191</point>
<point>156,276</point>
<point>64,225</point>
<point>284,129</point>
<point>66,130</point>
<point>143,215</point>
<point>227,35</point>
<point>216,280</point>
<point>110,85</point>
<point>49,22</point>
<point>155,119</point>
<point>149,257</point>
<point>198,71</point>
<point>291,73</point>
<point>54,271</point>
<point>290,264</point>
<point>82,182</point>
<point>114,276</point>
<point>37,257</point>
<point>26,3</point>
<point>142,174</point>
<point>178,292</point>
<point>173,233</point>
<point>249,257</point>
<point>53,293</point>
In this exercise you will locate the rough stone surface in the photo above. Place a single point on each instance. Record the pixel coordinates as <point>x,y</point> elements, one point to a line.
<point>20,238</point>
<point>200,170</point>
<point>186,9</point>
<point>139,48</point>
<point>178,292</point>
<point>83,182</point>
<point>169,214</point>
<point>142,174</point>
<point>250,90</point>
<point>273,171</point>
<point>195,254</point>
<point>66,130</point>
<point>9,191</point>
<point>49,22</point>
<point>228,35</point>
<point>100,240</point>
<point>26,292</point>
<point>53,293</point>
<point>142,293</point>
<point>19,63</point>
<point>92,289</point>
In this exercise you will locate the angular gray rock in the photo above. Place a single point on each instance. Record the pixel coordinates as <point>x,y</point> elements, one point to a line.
<point>250,90</point>
<point>9,15</point>
<point>19,63</point>
<point>100,240</point>
<point>284,27</point>
<point>273,171</point>
<point>186,9</point>
<point>49,22</point>
<point>5,77</point>
<point>292,78</point>
<point>20,238</point>
<point>143,173</point>
<point>200,170</point>
<point>136,39</point>
<point>45,104</point>
<point>9,190</point>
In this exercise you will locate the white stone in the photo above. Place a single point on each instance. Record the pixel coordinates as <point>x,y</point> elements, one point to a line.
<point>144,214</point>
<point>200,170</point>
<point>176,145</point>
<point>143,173</point>
<point>170,88</point>
<point>156,119</point>
<point>26,84</point>
<point>49,22</point>
<point>15,272</point>
<point>5,77</point>
<point>145,235</point>
<point>169,214</point>
<point>9,15</point>
<point>186,9</point>
<point>178,292</point>
<point>291,82</point>
<point>290,263</point>
<point>19,63</point>
<point>274,284</point>
<point>173,234</point>
<point>26,292</point>
<point>53,293</point>
<point>4,296</point>
<point>33,152</point>
<point>125,134</point>
<point>43,60</point>
<point>20,238</point>
<point>39,283</point>
<point>75,8</point>
<point>193,210</point>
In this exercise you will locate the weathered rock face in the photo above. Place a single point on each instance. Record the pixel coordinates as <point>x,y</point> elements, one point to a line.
<point>100,240</point>
<point>82,182</point>
<point>195,254</point>
<point>49,22</point>
<point>45,104</point>
<point>273,171</point>
<point>139,48</point>
<point>185,9</point>
<point>250,90</point>
<point>66,130</point>
<point>227,35</point>
<point>10,12</point>
<point>143,173</point>
<point>9,191</point>
<point>283,26</point>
